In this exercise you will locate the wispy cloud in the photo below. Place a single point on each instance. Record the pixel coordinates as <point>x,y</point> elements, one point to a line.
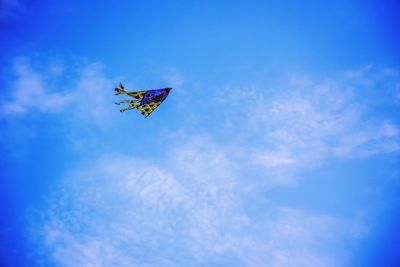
<point>77,89</point>
<point>31,91</point>
<point>129,212</point>
<point>307,122</point>
<point>52,87</point>
<point>149,215</point>
<point>189,207</point>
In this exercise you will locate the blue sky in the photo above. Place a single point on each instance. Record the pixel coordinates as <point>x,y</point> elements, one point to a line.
<point>278,146</point>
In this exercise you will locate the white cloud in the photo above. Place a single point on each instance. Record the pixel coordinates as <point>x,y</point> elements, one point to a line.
<point>84,98</point>
<point>291,237</point>
<point>77,90</point>
<point>138,209</point>
<point>31,91</point>
<point>93,94</point>
<point>189,210</point>
<point>305,123</point>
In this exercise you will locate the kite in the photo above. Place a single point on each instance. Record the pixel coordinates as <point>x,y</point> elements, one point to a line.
<point>145,101</point>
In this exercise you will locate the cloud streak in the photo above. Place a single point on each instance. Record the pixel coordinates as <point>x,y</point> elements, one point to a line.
<point>128,212</point>
<point>306,123</point>
<point>190,207</point>
<point>31,91</point>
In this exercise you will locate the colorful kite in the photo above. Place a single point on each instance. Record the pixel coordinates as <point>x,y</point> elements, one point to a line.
<point>145,101</point>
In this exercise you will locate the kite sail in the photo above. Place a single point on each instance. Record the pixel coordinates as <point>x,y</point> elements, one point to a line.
<point>145,101</point>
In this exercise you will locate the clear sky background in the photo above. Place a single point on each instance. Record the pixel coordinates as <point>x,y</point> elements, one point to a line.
<point>278,146</point>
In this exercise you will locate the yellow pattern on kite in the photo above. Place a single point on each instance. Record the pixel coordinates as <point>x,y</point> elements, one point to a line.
<point>145,101</point>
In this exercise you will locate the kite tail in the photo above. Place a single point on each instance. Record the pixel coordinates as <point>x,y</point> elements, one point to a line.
<point>131,106</point>
<point>120,90</point>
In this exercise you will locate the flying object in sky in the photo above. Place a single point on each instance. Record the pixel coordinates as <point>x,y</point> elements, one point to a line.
<point>145,101</point>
